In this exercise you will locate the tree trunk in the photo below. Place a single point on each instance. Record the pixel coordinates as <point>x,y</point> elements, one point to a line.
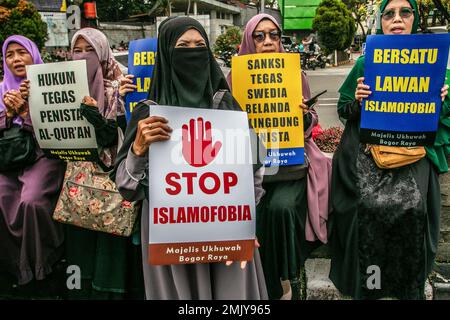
<point>362,28</point>
<point>422,19</point>
<point>442,9</point>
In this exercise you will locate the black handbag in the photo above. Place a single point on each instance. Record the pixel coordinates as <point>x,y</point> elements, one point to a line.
<point>17,149</point>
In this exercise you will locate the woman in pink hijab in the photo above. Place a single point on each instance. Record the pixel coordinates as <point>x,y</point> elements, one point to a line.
<point>291,218</point>
<point>111,266</point>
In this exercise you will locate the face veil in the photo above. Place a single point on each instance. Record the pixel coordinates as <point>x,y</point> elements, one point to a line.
<point>186,77</point>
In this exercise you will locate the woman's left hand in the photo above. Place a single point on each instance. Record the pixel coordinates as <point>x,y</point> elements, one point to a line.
<point>126,85</point>
<point>304,107</point>
<point>444,91</point>
<point>89,101</point>
<point>243,263</point>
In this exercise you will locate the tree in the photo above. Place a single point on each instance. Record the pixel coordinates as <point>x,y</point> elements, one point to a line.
<point>118,10</point>
<point>21,17</point>
<point>335,25</point>
<point>162,6</point>
<point>358,8</point>
<point>228,41</point>
<point>443,7</point>
<point>257,3</point>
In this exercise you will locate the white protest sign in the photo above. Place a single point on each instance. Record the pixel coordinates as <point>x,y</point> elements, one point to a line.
<point>56,91</point>
<point>201,189</point>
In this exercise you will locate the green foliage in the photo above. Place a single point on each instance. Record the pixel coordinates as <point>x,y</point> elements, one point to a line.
<point>117,10</point>
<point>335,25</point>
<point>9,3</point>
<point>228,41</point>
<point>21,17</point>
<point>358,9</point>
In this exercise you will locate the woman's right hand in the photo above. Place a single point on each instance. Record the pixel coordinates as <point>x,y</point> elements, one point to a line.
<point>10,110</point>
<point>126,85</point>
<point>151,129</point>
<point>14,102</point>
<point>362,90</point>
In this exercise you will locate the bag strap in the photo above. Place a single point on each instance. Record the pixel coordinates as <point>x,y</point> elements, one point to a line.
<point>217,99</point>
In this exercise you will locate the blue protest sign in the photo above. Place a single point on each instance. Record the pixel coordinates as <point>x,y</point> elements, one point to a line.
<point>405,74</point>
<point>141,59</point>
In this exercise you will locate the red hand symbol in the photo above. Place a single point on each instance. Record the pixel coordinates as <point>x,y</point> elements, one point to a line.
<point>199,151</point>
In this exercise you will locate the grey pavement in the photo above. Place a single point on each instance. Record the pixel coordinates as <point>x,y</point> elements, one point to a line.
<point>331,79</point>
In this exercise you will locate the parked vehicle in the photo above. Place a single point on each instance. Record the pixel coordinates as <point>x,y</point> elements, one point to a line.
<point>313,60</point>
<point>122,58</point>
<point>286,41</point>
<point>225,56</point>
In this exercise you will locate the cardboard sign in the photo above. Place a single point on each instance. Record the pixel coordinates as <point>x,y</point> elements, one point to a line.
<point>405,74</point>
<point>56,92</point>
<point>201,187</point>
<point>269,88</point>
<point>141,59</point>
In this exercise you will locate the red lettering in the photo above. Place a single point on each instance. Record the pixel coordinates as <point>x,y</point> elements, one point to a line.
<point>190,181</point>
<point>181,215</point>
<point>222,213</point>
<point>230,180</point>
<point>177,183</point>
<point>247,216</point>
<point>170,181</point>
<point>192,214</point>
<point>231,213</point>
<point>204,214</point>
<point>216,186</point>
<point>163,215</point>
<point>155,215</point>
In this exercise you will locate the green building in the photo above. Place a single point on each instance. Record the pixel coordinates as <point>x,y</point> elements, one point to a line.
<point>298,14</point>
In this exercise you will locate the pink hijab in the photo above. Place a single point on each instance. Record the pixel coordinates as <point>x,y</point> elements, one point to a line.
<point>104,80</point>
<point>319,170</point>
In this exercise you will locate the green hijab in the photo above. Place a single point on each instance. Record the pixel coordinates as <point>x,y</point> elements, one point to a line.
<point>413,4</point>
<point>186,77</point>
<point>441,149</point>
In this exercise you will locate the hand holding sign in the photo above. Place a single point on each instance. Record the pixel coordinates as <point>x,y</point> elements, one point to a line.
<point>362,90</point>
<point>199,151</point>
<point>151,129</point>
<point>126,85</point>
<point>243,263</point>
<point>89,101</point>
<point>444,91</point>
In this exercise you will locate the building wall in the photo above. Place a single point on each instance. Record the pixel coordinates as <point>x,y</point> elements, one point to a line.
<point>120,32</point>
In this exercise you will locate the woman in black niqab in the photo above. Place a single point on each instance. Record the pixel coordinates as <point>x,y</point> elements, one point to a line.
<point>185,75</point>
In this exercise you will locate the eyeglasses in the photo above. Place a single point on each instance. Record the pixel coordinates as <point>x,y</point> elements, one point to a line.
<point>260,36</point>
<point>404,12</point>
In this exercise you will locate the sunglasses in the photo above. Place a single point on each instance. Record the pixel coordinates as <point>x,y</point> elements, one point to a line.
<point>260,36</point>
<point>404,12</point>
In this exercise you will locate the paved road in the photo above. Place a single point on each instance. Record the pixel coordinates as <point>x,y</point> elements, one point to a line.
<point>331,79</point>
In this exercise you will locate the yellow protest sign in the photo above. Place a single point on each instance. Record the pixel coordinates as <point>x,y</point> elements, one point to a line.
<point>269,88</point>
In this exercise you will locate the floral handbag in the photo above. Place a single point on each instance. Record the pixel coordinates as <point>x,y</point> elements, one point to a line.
<point>89,199</point>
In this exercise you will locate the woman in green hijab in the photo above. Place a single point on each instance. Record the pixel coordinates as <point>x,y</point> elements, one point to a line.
<point>187,75</point>
<point>384,228</point>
